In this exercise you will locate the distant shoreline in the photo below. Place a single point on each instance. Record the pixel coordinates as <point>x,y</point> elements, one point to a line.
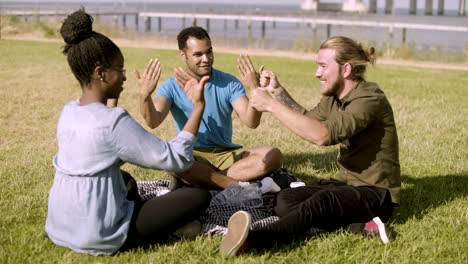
<point>450,10</point>
<point>281,35</point>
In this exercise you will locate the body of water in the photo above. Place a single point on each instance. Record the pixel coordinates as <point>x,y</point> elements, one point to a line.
<point>285,36</point>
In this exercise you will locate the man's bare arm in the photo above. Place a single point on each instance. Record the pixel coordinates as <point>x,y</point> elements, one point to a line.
<point>270,82</point>
<point>287,100</point>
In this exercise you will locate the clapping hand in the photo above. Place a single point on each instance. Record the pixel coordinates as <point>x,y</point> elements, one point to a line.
<point>181,79</point>
<point>192,86</point>
<point>270,82</point>
<point>247,72</point>
<point>262,98</point>
<point>148,81</point>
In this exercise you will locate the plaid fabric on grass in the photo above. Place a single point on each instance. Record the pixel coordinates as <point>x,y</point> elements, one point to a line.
<point>214,220</point>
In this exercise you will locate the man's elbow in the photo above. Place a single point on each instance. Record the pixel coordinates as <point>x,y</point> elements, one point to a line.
<point>252,125</point>
<point>321,140</point>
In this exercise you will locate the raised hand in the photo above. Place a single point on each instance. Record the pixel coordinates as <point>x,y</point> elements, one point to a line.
<point>261,99</point>
<point>193,87</point>
<point>148,81</point>
<point>276,91</point>
<point>247,72</point>
<point>182,77</point>
<point>270,82</point>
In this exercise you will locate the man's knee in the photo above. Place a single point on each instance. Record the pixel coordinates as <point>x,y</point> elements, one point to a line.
<point>285,202</point>
<point>272,159</point>
<point>194,173</point>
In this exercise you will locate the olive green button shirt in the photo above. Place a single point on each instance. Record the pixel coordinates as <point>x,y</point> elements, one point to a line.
<point>364,127</point>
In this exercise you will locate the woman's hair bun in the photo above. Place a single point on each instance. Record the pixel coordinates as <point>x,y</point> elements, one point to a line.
<point>76,27</point>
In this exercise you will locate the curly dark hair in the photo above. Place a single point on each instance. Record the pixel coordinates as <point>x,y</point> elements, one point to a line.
<point>85,49</point>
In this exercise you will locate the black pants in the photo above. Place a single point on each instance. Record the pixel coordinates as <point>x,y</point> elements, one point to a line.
<point>155,219</point>
<point>326,207</point>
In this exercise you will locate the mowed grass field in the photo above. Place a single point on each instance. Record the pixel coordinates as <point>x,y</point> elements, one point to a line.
<point>431,111</point>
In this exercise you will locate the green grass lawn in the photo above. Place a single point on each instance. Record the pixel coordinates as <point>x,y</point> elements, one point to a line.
<point>431,110</point>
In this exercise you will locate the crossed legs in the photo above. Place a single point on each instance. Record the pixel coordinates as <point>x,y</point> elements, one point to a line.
<point>155,219</point>
<point>253,164</point>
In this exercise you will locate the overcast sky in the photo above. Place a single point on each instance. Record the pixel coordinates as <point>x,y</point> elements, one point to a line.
<point>449,4</point>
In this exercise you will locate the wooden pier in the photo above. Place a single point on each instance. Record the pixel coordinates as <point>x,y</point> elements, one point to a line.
<point>359,6</point>
<point>311,21</point>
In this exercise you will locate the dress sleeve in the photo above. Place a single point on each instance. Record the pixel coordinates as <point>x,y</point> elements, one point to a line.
<point>133,144</point>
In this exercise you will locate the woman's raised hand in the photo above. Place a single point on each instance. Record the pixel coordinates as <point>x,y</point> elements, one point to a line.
<point>192,87</point>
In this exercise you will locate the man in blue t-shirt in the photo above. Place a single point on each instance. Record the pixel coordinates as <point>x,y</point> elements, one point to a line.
<point>219,162</point>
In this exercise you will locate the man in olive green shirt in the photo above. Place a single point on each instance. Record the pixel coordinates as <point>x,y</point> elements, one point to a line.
<point>356,115</point>
<point>362,124</point>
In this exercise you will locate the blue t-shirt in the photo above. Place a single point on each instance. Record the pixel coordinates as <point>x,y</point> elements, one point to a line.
<point>216,125</point>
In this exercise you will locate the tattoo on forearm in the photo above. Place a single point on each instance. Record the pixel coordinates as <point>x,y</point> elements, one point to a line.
<point>287,100</point>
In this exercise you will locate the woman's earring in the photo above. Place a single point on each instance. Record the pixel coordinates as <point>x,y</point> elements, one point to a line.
<point>100,78</point>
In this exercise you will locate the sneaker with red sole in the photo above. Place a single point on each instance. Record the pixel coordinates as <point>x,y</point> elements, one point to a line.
<point>372,228</point>
<point>235,240</point>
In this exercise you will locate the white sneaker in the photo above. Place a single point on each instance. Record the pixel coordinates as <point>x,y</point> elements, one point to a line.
<point>238,230</point>
<point>189,231</point>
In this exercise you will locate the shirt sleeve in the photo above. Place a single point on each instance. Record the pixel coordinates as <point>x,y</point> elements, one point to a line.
<point>166,89</point>
<point>317,112</point>
<point>237,90</point>
<point>136,145</point>
<point>356,116</point>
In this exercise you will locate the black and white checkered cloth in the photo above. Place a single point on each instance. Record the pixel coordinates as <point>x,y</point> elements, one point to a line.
<point>214,220</point>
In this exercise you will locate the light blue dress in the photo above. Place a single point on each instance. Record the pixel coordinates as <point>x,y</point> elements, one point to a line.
<point>221,92</point>
<point>88,211</point>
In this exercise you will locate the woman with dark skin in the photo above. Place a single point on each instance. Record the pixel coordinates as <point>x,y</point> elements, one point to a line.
<point>91,208</point>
